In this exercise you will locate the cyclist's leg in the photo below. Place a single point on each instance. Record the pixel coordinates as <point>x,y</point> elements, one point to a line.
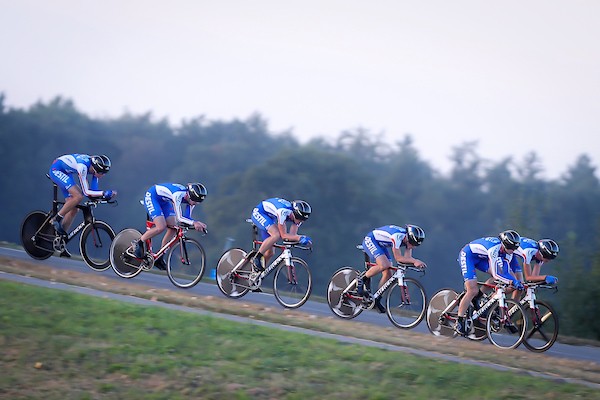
<point>157,210</point>
<point>268,233</point>
<point>467,264</point>
<point>72,194</point>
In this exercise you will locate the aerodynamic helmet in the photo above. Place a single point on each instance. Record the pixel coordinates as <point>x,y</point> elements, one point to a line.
<point>510,239</point>
<point>415,235</point>
<point>548,248</point>
<point>101,164</point>
<point>196,191</point>
<point>301,209</point>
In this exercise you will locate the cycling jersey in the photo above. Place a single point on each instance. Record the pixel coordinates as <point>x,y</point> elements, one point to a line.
<point>167,199</point>
<point>63,169</point>
<point>527,250</point>
<point>272,211</point>
<point>485,255</point>
<point>377,242</point>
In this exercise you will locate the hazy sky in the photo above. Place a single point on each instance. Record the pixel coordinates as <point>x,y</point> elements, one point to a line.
<point>517,76</point>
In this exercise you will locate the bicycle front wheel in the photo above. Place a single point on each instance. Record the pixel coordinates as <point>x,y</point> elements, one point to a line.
<point>506,327</point>
<point>542,327</point>
<point>292,284</point>
<point>406,304</point>
<point>185,263</point>
<point>438,322</point>
<point>94,245</point>
<point>37,244</point>
<point>341,293</point>
<point>125,265</point>
<point>233,284</point>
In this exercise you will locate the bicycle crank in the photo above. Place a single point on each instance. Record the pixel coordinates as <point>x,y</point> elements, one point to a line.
<point>58,244</point>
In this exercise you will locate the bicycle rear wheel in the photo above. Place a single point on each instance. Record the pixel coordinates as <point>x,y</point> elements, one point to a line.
<point>94,245</point>
<point>37,246</point>
<point>236,284</point>
<point>341,293</point>
<point>506,328</point>
<point>438,324</point>
<point>542,328</point>
<point>122,263</point>
<point>406,311</point>
<point>292,285</point>
<point>185,263</point>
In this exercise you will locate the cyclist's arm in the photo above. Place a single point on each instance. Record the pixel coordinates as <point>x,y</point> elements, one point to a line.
<point>82,172</point>
<point>499,270</point>
<point>292,235</point>
<point>177,200</point>
<point>406,257</point>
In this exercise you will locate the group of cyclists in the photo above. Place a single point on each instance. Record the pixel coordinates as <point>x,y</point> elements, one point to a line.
<point>168,204</point>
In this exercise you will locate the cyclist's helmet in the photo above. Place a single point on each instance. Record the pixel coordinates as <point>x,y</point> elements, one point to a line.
<point>101,164</point>
<point>548,248</point>
<point>510,239</point>
<point>301,209</point>
<point>415,235</point>
<point>196,191</point>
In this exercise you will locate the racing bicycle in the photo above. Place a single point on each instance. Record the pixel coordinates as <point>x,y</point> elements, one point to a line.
<point>405,302</point>
<point>503,321</point>
<point>185,257</point>
<point>292,282</point>
<point>40,240</point>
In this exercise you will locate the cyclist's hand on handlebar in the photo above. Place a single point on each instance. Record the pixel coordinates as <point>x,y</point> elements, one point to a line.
<point>551,280</point>
<point>200,226</point>
<point>305,241</point>
<point>109,194</point>
<point>518,284</point>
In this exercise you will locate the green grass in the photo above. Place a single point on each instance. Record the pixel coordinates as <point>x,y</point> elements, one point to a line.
<point>61,345</point>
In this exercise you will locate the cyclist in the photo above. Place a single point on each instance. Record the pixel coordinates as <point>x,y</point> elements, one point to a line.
<point>493,255</point>
<point>61,173</point>
<point>535,254</point>
<point>270,217</point>
<point>168,204</point>
<point>376,244</point>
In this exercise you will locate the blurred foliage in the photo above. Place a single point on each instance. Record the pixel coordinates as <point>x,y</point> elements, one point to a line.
<point>354,183</point>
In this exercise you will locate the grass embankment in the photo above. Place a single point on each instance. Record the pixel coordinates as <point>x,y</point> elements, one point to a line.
<point>62,345</point>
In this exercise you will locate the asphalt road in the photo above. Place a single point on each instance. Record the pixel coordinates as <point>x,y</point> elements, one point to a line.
<point>585,353</point>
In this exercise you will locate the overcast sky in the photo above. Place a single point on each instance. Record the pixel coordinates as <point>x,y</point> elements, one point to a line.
<point>516,76</point>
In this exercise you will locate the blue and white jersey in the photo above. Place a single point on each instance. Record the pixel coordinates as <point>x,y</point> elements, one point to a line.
<point>278,208</point>
<point>499,262</point>
<point>527,250</point>
<point>173,193</point>
<point>65,166</point>
<point>389,236</point>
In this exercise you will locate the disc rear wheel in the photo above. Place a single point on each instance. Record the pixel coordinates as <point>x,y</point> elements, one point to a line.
<point>341,293</point>
<point>122,261</point>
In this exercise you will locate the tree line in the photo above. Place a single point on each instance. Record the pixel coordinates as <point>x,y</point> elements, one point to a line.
<point>354,183</point>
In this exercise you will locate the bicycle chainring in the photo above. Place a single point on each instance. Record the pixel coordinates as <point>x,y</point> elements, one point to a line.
<point>59,244</point>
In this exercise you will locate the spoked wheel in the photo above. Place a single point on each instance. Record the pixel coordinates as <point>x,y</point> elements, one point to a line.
<point>233,284</point>
<point>122,262</point>
<point>94,245</point>
<point>438,324</point>
<point>506,328</point>
<point>292,285</point>
<point>405,306</point>
<point>37,246</point>
<point>542,328</point>
<point>185,263</point>
<point>341,293</point>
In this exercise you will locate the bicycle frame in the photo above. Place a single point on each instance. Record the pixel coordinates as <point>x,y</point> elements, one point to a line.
<point>178,237</point>
<point>530,298</point>
<point>399,273</point>
<point>86,208</point>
